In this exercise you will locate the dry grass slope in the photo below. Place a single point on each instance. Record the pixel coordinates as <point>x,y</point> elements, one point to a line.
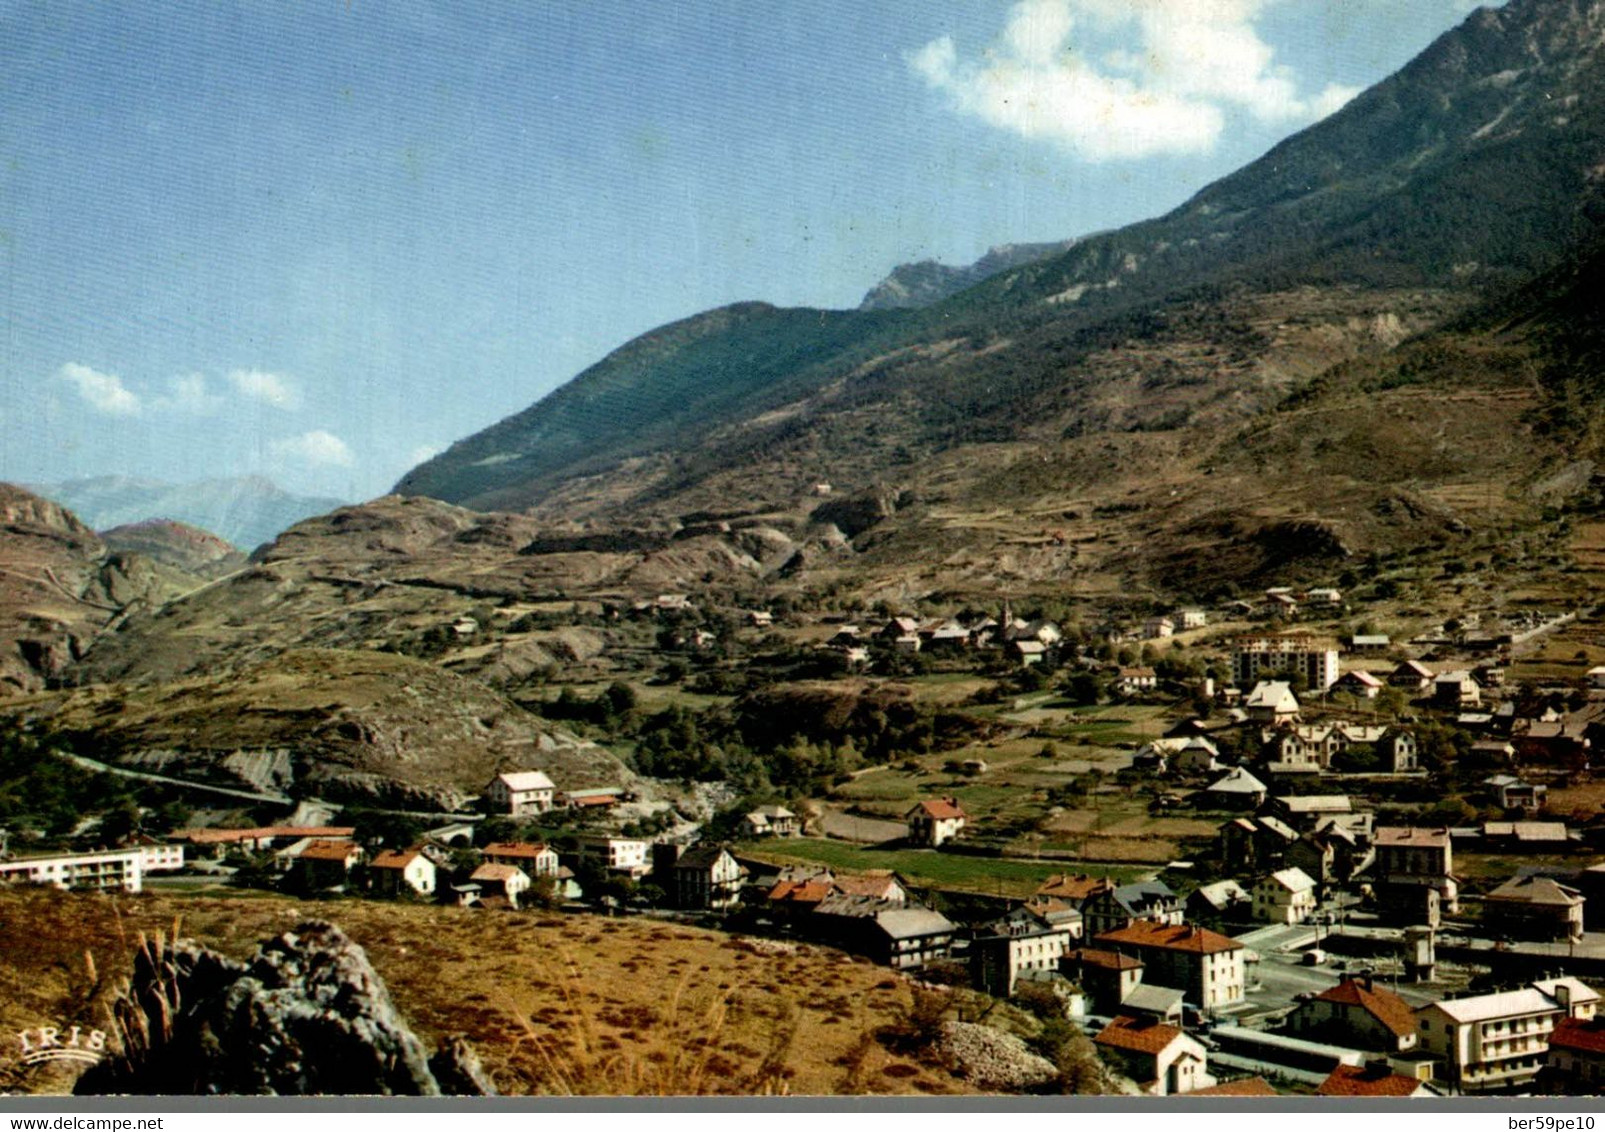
<point>555,1005</point>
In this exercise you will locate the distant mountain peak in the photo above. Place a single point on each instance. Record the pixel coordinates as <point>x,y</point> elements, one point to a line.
<point>926,282</point>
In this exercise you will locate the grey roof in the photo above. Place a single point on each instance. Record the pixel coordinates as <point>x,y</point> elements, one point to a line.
<point>1222,893</point>
<point>700,856</point>
<point>908,922</point>
<point>1151,999</point>
<point>1238,781</point>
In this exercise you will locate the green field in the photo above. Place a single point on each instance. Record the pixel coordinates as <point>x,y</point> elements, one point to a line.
<point>942,870</point>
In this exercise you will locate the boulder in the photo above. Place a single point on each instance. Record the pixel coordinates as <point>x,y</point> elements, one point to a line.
<point>307,1016</point>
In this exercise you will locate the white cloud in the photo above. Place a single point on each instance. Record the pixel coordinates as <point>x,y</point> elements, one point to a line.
<point>318,448</point>
<point>191,395</point>
<point>102,392</point>
<point>1181,67</point>
<point>270,388</point>
<point>424,452</point>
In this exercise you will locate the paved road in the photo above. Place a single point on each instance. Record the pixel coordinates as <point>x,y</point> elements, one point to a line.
<point>184,783</point>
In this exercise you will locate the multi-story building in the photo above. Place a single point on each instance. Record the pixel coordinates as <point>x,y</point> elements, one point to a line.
<point>616,854</point>
<point>1259,657</point>
<point>1407,857</point>
<point>1286,896</point>
<point>521,792</point>
<point>1148,900</point>
<point>1497,1042</point>
<point>935,821</point>
<point>108,869</point>
<point>1204,964</point>
<point>1534,907</point>
<point>1020,942</point>
<point>537,859</point>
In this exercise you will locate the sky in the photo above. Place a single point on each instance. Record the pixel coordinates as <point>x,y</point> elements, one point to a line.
<point>320,241</point>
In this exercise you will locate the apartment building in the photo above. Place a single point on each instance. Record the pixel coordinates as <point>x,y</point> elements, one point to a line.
<point>1496,1042</point>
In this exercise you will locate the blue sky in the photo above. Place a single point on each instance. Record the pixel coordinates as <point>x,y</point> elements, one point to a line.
<point>319,240</point>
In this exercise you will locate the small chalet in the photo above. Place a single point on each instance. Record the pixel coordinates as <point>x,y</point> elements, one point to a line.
<point>507,881</point>
<point>1534,907</point>
<point>397,871</point>
<point>1130,681</point>
<point>1158,628</point>
<point>1164,1060</point>
<point>933,822</point>
<point>911,936</point>
<point>1359,683</point>
<point>1456,690</point>
<point>521,792</point>
<point>1412,677</point>
<point>770,821</point>
<point>328,864</point>
<point>1284,897</point>
<point>1238,790</point>
<point>1259,842</point>
<point>1270,703</point>
<point>1214,903</point>
<point>1107,977</point>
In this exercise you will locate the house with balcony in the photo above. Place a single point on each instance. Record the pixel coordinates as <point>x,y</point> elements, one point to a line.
<point>1499,1042</point>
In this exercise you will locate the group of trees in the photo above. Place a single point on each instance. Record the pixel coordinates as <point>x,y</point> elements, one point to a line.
<point>43,792</point>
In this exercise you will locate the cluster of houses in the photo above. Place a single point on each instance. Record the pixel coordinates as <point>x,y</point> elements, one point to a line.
<point>1028,642</point>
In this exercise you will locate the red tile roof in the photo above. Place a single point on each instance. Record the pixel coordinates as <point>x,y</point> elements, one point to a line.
<point>264,833</point>
<point>1359,1081</point>
<point>499,873</point>
<point>330,851</point>
<point>801,892</point>
<point>1069,887</point>
<point>524,849</point>
<point>1379,1002</point>
<point>1141,1035</point>
<point>1579,1036</point>
<point>1113,960</point>
<point>942,809</point>
<point>394,859</point>
<point>1247,1087</point>
<point>1171,937</point>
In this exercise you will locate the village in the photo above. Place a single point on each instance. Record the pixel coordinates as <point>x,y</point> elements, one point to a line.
<point>1386,901</point>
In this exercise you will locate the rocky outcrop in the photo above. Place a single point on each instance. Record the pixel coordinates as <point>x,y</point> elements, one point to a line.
<point>307,1016</point>
<point>993,1060</point>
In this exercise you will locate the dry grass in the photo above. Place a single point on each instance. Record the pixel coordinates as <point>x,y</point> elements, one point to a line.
<point>553,1004</point>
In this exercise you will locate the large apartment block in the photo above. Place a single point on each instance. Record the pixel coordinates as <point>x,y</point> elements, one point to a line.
<point>1261,657</point>
<point>112,869</point>
<point>1498,1042</point>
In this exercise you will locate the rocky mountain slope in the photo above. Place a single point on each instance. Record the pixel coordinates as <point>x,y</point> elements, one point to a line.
<point>60,585</point>
<point>926,282</point>
<point>176,544</point>
<point>246,511</point>
<point>1475,166</point>
<point>343,725</point>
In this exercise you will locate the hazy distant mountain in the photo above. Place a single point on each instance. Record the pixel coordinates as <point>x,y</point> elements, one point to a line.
<point>926,282</point>
<point>246,511</point>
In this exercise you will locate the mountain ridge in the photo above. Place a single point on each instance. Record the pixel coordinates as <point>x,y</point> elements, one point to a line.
<point>1454,175</point>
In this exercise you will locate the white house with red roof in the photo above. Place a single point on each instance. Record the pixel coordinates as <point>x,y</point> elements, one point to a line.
<point>935,821</point>
<point>396,871</point>
<point>1164,1060</point>
<point>520,792</point>
<point>537,859</point>
<point>1205,964</point>
<point>1358,1013</point>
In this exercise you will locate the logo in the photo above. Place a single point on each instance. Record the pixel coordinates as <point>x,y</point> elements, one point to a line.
<point>62,1043</point>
